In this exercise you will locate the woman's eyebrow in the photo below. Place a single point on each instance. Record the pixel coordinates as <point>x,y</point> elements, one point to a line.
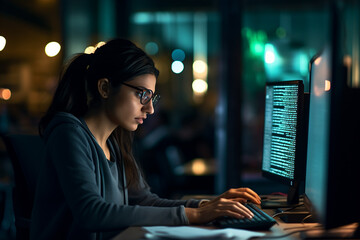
<point>143,88</point>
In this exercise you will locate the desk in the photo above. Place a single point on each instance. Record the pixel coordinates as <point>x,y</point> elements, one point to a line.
<point>280,229</point>
<point>138,233</point>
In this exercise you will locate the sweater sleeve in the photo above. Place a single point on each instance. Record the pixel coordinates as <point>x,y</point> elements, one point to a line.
<point>144,197</point>
<point>73,159</point>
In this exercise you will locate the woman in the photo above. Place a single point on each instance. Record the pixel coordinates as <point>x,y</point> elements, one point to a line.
<point>90,186</point>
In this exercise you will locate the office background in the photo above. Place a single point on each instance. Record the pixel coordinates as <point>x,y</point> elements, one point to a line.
<point>214,57</point>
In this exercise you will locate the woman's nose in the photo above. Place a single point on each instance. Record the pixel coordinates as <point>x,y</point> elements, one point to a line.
<point>149,108</point>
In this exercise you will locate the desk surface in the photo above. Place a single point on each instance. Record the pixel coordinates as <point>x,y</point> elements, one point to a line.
<point>138,233</point>
<point>296,231</point>
<point>285,231</point>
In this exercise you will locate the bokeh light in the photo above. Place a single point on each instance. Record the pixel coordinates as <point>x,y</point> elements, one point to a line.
<point>99,44</point>
<point>5,93</point>
<point>177,67</point>
<point>92,49</point>
<point>317,61</point>
<point>200,66</point>
<point>280,32</point>
<point>178,55</point>
<point>52,49</point>
<point>199,86</point>
<point>269,53</point>
<point>327,85</point>
<point>2,43</point>
<point>198,166</point>
<point>152,48</point>
<point>89,50</point>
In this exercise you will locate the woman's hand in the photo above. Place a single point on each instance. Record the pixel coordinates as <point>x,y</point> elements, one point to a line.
<point>217,208</point>
<point>229,204</point>
<point>242,195</point>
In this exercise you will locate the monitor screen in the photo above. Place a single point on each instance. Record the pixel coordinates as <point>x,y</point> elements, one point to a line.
<point>333,164</point>
<point>318,142</point>
<point>284,135</point>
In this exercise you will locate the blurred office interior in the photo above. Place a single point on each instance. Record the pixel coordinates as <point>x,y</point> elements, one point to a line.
<point>214,57</point>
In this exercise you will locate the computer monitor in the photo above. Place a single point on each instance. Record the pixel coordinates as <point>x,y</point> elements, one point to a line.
<point>333,158</point>
<point>285,136</point>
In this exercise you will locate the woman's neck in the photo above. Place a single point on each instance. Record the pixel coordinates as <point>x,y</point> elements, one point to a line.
<point>100,126</point>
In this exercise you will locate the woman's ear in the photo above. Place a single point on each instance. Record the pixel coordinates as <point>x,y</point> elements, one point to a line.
<point>104,87</point>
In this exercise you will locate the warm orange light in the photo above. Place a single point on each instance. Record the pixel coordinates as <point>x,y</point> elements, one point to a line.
<point>92,49</point>
<point>317,91</point>
<point>5,93</point>
<point>347,61</point>
<point>89,50</point>
<point>317,61</point>
<point>99,44</point>
<point>198,166</point>
<point>327,85</point>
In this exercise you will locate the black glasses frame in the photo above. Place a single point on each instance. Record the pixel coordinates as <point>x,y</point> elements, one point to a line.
<point>143,98</point>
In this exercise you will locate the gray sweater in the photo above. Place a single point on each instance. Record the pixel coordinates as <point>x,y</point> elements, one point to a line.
<point>81,195</point>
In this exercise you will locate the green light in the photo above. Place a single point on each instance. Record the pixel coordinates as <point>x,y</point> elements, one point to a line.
<point>280,32</point>
<point>246,32</point>
<point>258,48</point>
<point>261,36</point>
<point>257,40</point>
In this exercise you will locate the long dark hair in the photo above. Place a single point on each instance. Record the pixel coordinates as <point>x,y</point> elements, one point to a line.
<point>119,60</point>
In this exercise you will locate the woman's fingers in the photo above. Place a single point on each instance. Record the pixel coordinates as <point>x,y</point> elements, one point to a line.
<point>243,210</point>
<point>245,193</point>
<point>248,192</point>
<point>250,197</point>
<point>218,208</point>
<point>251,192</point>
<point>228,207</point>
<point>240,200</point>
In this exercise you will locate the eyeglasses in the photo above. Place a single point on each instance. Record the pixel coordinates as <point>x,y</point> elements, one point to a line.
<point>145,95</point>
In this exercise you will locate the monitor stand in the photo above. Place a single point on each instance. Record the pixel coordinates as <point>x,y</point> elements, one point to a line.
<point>291,200</point>
<point>289,209</point>
<point>276,202</point>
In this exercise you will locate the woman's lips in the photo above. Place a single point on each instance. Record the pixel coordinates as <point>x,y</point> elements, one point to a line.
<point>139,120</point>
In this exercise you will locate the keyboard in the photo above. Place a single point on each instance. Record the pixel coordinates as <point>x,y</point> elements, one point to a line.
<point>260,221</point>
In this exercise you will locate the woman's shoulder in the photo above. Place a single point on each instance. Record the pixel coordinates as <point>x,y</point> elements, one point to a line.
<point>69,133</point>
<point>64,124</point>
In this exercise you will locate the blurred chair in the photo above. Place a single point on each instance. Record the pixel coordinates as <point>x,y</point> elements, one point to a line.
<point>25,152</point>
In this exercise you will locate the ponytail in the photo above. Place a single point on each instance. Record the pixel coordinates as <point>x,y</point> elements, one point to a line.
<point>71,93</point>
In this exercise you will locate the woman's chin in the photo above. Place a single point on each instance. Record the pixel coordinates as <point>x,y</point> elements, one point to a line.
<point>133,128</point>
<point>130,127</point>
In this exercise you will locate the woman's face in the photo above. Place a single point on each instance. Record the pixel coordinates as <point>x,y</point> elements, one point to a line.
<point>124,108</point>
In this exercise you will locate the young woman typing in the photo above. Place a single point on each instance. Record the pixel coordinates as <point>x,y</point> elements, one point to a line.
<point>90,186</point>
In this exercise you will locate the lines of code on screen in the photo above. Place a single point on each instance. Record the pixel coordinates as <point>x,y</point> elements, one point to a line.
<point>280,127</point>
